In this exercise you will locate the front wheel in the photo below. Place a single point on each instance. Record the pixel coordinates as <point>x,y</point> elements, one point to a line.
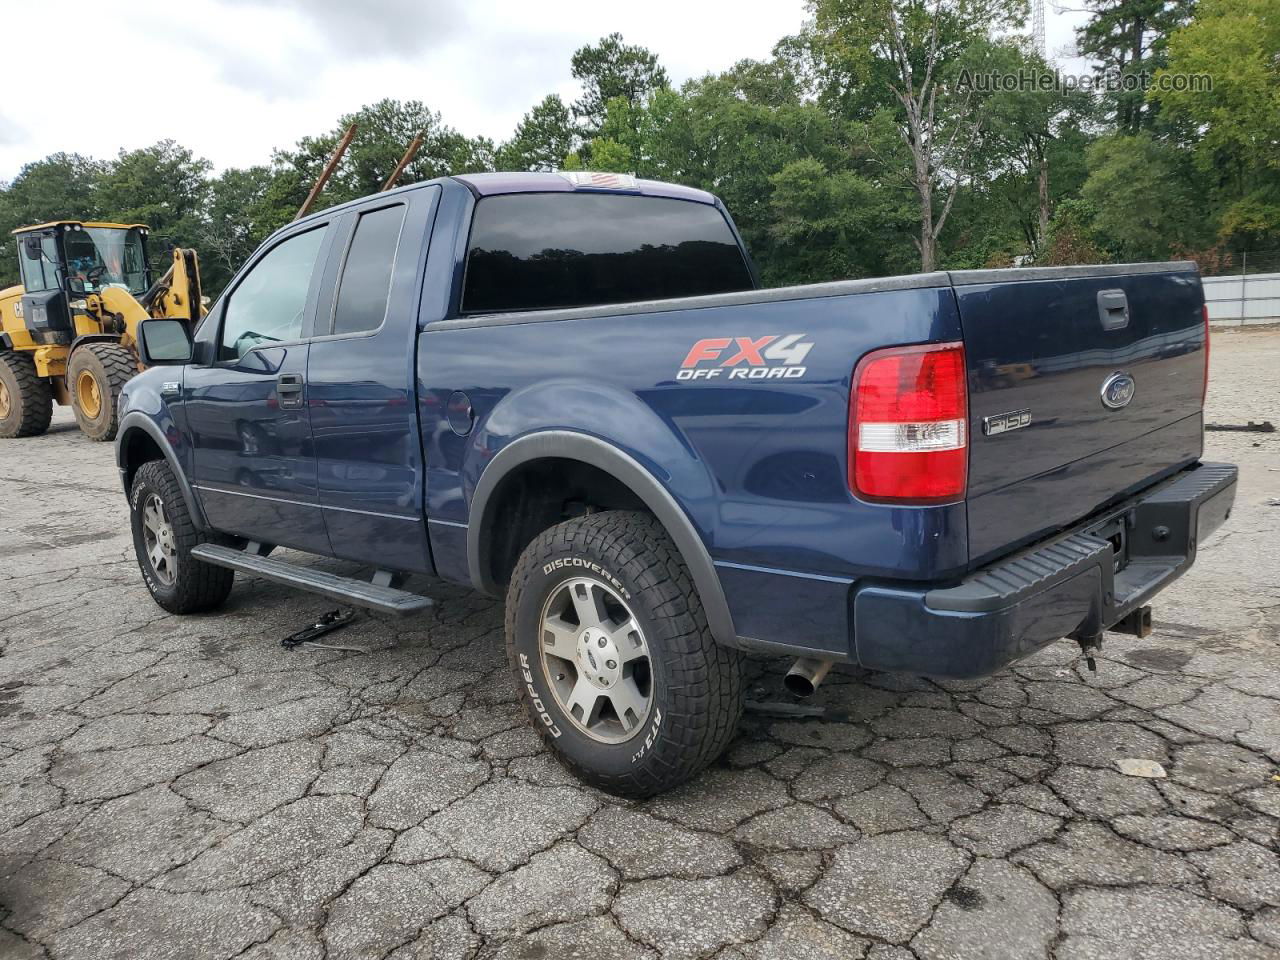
<point>613,656</point>
<point>96,375</point>
<point>163,535</point>
<point>26,403</point>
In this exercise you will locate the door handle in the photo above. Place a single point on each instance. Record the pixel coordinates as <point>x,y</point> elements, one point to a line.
<point>289,389</point>
<point>1113,309</point>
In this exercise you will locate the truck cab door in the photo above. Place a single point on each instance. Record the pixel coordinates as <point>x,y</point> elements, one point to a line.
<point>362,383</point>
<point>253,464</point>
<point>44,308</point>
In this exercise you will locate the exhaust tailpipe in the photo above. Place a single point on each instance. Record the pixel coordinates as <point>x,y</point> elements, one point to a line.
<point>805,675</point>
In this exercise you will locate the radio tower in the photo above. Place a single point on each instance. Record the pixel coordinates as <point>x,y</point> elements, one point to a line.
<point>1037,27</point>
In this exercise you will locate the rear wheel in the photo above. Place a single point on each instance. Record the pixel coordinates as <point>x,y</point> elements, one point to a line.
<point>26,402</point>
<point>96,375</point>
<point>163,535</point>
<point>613,656</point>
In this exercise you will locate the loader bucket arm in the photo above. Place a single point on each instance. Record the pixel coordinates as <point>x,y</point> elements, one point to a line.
<point>178,294</point>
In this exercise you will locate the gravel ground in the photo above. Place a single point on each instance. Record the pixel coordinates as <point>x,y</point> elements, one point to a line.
<point>186,788</point>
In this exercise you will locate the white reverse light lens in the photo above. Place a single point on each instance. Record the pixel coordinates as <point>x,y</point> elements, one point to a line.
<point>925,437</point>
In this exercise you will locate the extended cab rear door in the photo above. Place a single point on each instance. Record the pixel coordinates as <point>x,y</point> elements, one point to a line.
<point>361,383</point>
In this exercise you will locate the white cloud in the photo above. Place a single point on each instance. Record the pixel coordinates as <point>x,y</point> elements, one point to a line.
<point>10,132</point>
<point>373,30</point>
<point>231,79</point>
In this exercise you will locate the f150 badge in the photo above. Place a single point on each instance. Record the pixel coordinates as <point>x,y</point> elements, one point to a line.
<point>1004,422</point>
<point>747,358</point>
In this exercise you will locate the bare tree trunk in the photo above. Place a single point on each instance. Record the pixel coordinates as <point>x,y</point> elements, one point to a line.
<point>928,244</point>
<point>1044,200</point>
<point>920,132</point>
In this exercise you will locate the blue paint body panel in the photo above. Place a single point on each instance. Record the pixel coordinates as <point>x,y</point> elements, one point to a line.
<point>401,426</point>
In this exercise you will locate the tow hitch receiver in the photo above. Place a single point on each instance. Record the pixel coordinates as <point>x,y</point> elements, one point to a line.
<point>1137,623</point>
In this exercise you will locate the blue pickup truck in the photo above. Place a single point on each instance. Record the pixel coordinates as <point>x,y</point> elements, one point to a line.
<point>570,390</point>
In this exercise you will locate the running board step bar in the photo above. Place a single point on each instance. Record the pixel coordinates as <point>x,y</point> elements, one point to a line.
<point>360,593</point>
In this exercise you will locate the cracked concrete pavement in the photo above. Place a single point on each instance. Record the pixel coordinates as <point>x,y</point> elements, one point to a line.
<point>186,788</point>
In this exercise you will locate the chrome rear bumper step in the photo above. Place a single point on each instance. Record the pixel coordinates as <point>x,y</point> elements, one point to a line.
<point>360,593</point>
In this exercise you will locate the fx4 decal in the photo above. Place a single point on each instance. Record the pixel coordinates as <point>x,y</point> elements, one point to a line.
<point>747,358</point>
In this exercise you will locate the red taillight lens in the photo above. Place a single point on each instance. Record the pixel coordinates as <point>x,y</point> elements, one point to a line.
<point>1204,393</point>
<point>908,421</point>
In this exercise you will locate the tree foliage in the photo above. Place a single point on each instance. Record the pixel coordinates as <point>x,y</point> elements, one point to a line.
<point>861,147</point>
<point>609,69</point>
<point>1125,40</point>
<point>542,139</point>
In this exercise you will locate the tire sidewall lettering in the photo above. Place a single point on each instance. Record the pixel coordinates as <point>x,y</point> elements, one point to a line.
<point>583,563</point>
<point>535,698</point>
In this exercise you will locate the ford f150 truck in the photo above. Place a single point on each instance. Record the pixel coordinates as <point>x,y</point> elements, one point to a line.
<point>570,389</point>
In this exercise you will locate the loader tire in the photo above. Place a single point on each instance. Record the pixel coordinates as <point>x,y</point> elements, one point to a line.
<point>613,658</point>
<point>163,535</point>
<point>96,375</point>
<point>26,401</point>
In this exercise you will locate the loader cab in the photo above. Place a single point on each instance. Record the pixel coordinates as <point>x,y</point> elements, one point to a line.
<point>61,262</point>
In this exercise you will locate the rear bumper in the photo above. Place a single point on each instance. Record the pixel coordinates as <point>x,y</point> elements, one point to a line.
<point>1066,586</point>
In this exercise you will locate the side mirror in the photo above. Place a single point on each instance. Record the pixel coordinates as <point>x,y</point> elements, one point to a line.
<point>164,342</point>
<point>75,286</point>
<point>31,247</point>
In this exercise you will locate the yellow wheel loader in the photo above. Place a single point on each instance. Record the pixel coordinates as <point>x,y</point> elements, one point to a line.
<point>67,333</point>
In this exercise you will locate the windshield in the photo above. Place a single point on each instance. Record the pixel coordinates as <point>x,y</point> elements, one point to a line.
<point>106,256</point>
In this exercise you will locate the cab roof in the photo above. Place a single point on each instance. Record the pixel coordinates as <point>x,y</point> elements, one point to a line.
<point>81,223</point>
<point>568,181</point>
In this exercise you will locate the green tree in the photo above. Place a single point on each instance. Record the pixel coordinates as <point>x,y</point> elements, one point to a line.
<point>609,69</point>
<point>1146,198</point>
<point>542,139</point>
<point>731,134</point>
<point>1127,39</point>
<point>238,217</point>
<point>1236,124</point>
<point>833,225</point>
<point>164,186</point>
<point>62,186</point>
<point>1033,145</point>
<point>383,131</point>
<point>895,63</point>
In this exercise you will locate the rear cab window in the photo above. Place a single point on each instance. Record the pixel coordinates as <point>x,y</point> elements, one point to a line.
<point>365,285</point>
<point>537,251</point>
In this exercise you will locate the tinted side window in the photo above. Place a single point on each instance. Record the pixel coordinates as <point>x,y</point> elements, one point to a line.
<point>268,304</point>
<point>366,276</point>
<point>538,250</point>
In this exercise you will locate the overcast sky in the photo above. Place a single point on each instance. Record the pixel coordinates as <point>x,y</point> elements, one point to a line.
<point>233,78</point>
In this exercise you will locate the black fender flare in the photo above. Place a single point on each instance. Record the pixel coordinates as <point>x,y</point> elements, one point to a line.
<point>569,445</point>
<point>136,420</point>
<point>81,340</point>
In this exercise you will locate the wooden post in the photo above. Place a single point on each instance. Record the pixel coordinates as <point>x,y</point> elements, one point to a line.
<point>409,154</point>
<point>327,172</point>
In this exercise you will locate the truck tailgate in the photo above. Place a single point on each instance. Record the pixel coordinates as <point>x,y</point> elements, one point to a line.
<point>1086,384</point>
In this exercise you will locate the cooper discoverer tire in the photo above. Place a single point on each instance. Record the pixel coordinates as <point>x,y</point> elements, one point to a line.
<point>163,535</point>
<point>96,375</point>
<point>26,402</point>
<point>613,657</point>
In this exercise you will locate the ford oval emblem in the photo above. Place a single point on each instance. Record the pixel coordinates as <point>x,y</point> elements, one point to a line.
<point>1118,390</point>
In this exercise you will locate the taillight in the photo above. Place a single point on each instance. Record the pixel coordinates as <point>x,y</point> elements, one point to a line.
<point>1204,392</point>
<point>908,413</point>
